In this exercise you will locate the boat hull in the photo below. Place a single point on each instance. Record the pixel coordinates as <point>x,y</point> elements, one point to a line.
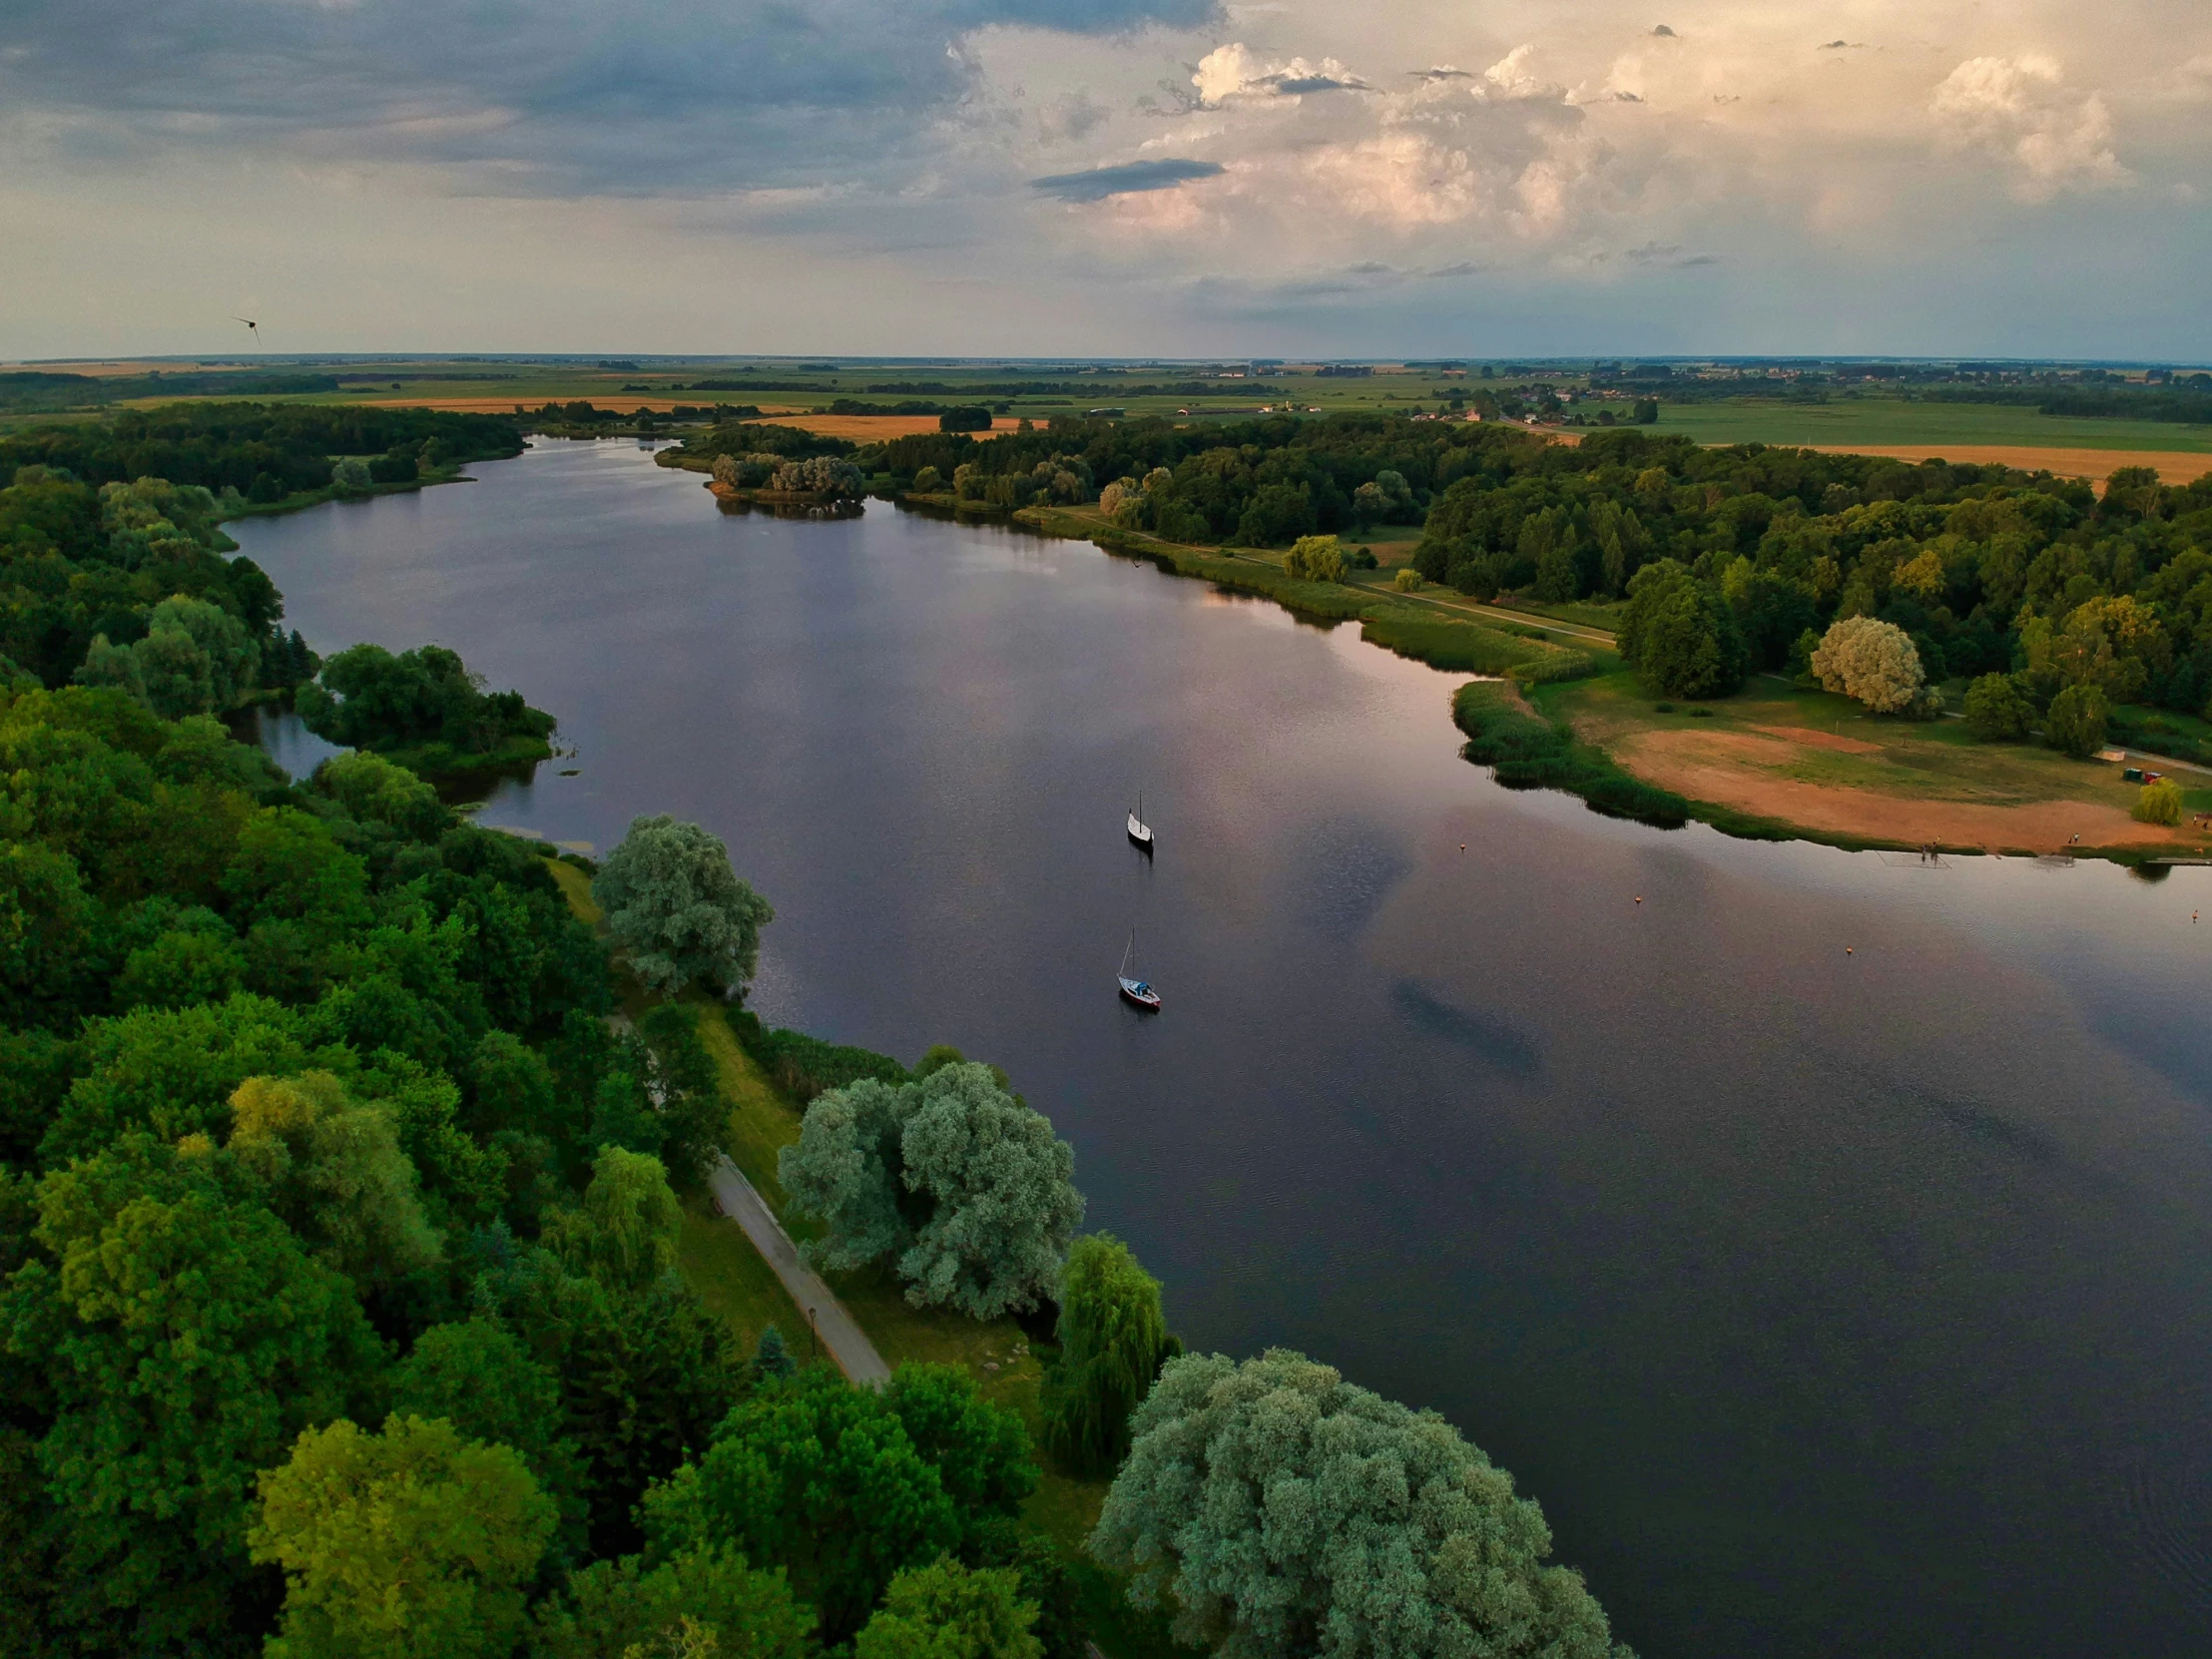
<point>1140,834</point>
<point>1140,996</point>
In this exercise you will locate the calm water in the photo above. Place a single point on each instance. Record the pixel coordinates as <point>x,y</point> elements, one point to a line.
<point>1831,1304</point>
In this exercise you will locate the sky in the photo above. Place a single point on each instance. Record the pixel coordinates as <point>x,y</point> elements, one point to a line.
<point>1108,178</point>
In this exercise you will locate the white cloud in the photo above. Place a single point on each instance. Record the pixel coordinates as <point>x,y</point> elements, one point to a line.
<point>1236,71</point>
<point>2022,109</point>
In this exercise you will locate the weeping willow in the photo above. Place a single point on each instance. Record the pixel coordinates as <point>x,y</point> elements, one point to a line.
<point>1113,1340</point>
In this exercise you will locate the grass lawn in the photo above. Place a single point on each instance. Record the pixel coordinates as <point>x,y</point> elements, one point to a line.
<point>1893,421</point>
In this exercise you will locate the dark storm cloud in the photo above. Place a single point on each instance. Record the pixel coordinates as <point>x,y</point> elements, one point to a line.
<point>556,95</point>
<point>1127,179</point>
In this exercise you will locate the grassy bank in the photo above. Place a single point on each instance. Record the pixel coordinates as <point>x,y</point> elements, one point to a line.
<point>1425,632</point>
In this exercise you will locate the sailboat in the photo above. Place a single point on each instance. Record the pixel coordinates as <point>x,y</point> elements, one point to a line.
<point>1139,830</point>
<point>1133,988</point>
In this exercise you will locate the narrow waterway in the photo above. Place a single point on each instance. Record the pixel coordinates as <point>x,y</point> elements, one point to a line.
<point>1831,1304</point>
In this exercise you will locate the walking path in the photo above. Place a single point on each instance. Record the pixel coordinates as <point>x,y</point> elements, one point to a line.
<point>840,1334</point>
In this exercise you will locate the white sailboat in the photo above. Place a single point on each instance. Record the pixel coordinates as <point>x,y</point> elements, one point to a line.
<point>1139,830</point>
<point>1133,988</point>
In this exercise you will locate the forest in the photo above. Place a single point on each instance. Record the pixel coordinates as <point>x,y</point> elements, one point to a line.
<point>263,451</point>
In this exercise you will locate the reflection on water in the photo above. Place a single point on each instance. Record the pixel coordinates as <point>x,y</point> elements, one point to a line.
<point>1831,1304</point>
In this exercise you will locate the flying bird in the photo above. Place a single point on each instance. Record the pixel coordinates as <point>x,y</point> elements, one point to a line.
<point>251,327</point>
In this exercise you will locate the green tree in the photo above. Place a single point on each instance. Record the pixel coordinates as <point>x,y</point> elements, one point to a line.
<point>2158,803</point>
<point>612,1606</point>
<point>1681,634</point>
<point>1998,710</point>
<point>676,907</point>
<point>818,1477</point>
<point>624,1232</point>
<point>478,1377</point>
<point>1280,1509</point>
<point>415,1543</point>
<point>962,1181</point>
<point>185,1339</point>
<point>980,1450</point>
<point>948,1611</point>
<point>772,1357</point>
<point>645,1377</point>
<point>1113,1339</point>
<point>334,1171</point>
<point>2075,722</point>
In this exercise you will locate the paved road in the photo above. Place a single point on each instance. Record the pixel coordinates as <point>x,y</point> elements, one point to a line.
<point>840,1334</point>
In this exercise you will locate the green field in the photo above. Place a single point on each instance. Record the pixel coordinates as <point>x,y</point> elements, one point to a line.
<point>1874,421</point>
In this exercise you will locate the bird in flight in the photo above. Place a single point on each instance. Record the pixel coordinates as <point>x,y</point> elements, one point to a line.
<point>252,326</point>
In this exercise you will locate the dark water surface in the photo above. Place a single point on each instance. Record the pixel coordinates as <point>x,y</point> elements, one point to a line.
<point>1829,1305</point>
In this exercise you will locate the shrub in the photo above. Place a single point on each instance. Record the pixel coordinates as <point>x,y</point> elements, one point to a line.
<point>1998,710</point>
<point>2160,802</point>
<point>2074,724</point>
<point>929,481</point>
<point>1408,580</point>
<point>1874,663</point>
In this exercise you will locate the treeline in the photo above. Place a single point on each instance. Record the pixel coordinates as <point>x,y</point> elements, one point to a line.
<point>1262,482</point>
<point>35,391</point>
<point>738,437</point>
<point>1986,569</point>
<point>423,709</point>
<point>2181,405</point>
<point>265,452</point>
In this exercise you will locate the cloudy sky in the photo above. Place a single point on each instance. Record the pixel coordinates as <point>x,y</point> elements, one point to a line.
<point>1108,177</point>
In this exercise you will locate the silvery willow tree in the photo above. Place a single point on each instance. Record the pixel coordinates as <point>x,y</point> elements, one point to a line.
<point>678,909</point>
<point>1281,1510</point>
<point>964,1185</point>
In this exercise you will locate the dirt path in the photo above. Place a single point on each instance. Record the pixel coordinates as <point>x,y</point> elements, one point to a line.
<point>1687,763</point>
<point>840,1334</point>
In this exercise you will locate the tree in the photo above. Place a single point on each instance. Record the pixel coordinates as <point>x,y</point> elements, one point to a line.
<point>1998,710</point>
<point>818,1477</point>
<point>611,1606</point>
<point>334,1171</point>
<point>1285,1511</point>
<point>184,1338</point>
<point>625,1234</point>
<point>645,1377</point>
<point>410,1544</point>
<point>961,1181</point>
<point>676,907</point>
<point>980,1451</point>
<point>772,1357</point>
<point>1113,1340</point>
<point>2159,802</point>
<point>1316,558</point>
<point>1874,663</point>
<point>1681,634</point>
<point>480,1378</point>
<point>946,1611</point>
<point>2075,722</point>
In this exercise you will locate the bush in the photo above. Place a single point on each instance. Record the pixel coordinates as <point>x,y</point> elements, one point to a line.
<point>2160,802</point>
<point>1408,580</point>
<point>1874,663</point>
<point>1998,710</point>
<point>929,481</point>
<point>2074,724</point>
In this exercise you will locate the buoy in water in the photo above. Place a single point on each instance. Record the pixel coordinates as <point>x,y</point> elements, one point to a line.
<point>1847,950</point>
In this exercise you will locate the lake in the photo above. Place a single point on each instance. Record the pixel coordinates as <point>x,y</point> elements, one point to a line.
<point>1831,1304</point>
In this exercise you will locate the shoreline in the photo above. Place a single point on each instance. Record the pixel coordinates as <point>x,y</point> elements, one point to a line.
<point>1572,761</point>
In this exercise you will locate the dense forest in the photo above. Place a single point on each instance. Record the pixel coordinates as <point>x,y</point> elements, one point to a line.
<point>263,451</point>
